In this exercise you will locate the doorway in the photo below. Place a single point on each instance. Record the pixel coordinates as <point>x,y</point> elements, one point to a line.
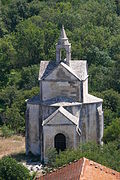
<point>60,142</point>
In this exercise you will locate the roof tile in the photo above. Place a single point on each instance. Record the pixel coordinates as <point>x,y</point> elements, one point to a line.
<point>83,169</point>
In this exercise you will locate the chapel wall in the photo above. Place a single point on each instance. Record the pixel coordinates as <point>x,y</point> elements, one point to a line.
<point>88,122</point>
<point>33,144</point>
<point>70,89</point>
<point>47,111</point>
<point>51,131</point>
<point>75,110</point>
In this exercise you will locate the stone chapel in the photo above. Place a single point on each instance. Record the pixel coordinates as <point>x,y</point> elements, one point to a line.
<point>64,114</point>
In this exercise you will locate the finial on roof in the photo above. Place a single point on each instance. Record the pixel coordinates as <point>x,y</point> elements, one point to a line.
<point>63,34</point>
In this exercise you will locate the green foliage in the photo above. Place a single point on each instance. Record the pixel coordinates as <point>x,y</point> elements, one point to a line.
<point>112,101</point>
<point>10,169</point>
<point>112,132</point>
<point>116,74</point>
<point>14,106</point>
<point>29,77</point>
<point>14,119</point>
<point>108,155</point>
<point>29,30</point>
<point>29,44</point>
<point>109,116</point>
<point>100,78</point>
<point>51,154</point>
<point>6,132</point>
<point>7,56</point>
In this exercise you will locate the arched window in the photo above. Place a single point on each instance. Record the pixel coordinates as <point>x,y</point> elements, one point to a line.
<point>60,142</point>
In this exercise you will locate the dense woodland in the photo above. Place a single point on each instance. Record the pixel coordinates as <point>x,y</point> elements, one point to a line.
<point>29,30</point>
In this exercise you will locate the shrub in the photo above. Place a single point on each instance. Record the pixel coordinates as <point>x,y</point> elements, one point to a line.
<point>6,132</point>
<point>10,169</point>
<point>51,154</point>
<point>112,132</point>
<point>108,154</point>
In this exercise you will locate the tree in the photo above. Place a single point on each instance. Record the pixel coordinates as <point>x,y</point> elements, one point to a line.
<point>7,57</point>
<point>112,132</point>
<point>14,120</point>
<point>109,116</point>
<point>108,155</point>
<point>14,12</point>
<point>29,44</point>
<point>116,75</point>
<point>29,77</point>
<point>10,169</point>
<point>111,100</point>
<point>100,78</point>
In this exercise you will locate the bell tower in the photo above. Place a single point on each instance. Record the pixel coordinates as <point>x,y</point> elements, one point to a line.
<point>63,43</point>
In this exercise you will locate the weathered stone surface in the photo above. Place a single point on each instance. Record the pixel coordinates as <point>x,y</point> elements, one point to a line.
<point>63,106</point>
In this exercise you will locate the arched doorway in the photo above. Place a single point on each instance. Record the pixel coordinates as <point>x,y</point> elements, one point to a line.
<point>60,142</point>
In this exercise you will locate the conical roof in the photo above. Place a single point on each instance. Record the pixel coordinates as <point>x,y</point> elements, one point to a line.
<point>63,34</point>
<point>63,38</point>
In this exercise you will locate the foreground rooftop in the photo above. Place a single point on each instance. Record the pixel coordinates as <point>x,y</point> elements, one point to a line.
<point>83,169</point>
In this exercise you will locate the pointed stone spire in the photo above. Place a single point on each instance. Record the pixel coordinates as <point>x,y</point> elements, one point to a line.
<point>63,34</point>
<point>63,43</point>
<point>63,38</point>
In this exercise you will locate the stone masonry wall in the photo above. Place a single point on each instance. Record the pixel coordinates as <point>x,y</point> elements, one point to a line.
<point>33,129</point>
<point>70,89</point>
<point>51,131</point>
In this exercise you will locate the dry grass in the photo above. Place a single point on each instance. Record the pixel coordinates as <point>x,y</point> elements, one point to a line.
<point>12,145</point>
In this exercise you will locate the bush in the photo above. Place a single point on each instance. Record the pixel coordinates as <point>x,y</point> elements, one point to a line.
<point>6,132</point>
<point>51,154</point>
<point>112,132</point>
<point>108,154</point>
<point>10,169</point>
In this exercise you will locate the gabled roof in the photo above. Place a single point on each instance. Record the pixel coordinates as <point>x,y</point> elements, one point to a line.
<point>83,169</point>
<point>77,67</point>
<point>69,69</point>
<point>63,111</point>
<point>45,68</point>
<point>63,65</point>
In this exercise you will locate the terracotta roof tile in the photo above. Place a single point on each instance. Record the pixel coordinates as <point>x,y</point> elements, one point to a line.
<point>82,169</point>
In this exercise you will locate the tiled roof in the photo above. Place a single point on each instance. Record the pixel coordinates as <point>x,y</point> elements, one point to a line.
<point>77,67</point>
<point>83,169</point>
